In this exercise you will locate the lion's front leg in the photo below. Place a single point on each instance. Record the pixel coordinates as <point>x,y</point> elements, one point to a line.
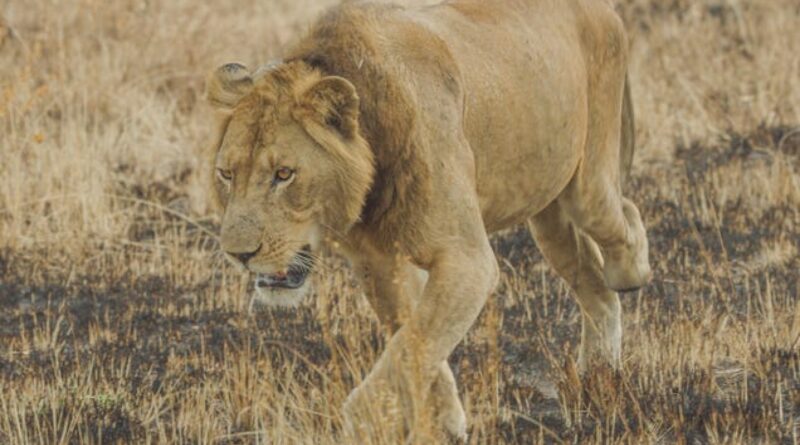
<point>395,396</point>
<point>393,286</point>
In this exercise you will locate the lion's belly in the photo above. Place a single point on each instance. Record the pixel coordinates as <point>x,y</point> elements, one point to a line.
<point>525,188</point>
<point>523,164</point>
<point>519,174</point>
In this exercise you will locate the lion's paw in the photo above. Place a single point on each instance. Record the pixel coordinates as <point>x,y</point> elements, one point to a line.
<point>372,411</point>
<point>454,423</point>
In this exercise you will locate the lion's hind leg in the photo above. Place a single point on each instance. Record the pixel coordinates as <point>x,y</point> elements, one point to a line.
<point>614,223</point>
<point>593,199</point>
<point>575,257</point>
<point>594,202</point>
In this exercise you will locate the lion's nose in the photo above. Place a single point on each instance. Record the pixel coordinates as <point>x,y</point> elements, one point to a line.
<point>244,257</point>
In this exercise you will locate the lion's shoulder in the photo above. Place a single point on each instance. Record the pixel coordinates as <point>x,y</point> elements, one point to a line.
<point>387,55</point>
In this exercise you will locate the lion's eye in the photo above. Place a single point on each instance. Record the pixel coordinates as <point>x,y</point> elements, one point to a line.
<point>224,175</point>
<point>284,174</point>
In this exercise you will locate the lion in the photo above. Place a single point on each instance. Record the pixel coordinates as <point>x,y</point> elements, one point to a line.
<point>408,135</point>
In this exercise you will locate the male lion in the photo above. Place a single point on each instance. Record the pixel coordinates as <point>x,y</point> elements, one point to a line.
<point>410,134</point>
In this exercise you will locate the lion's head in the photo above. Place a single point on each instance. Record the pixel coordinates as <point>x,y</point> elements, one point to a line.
<point>290,167</point>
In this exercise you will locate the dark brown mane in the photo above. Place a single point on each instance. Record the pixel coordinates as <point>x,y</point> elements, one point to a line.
<point>345,42</point>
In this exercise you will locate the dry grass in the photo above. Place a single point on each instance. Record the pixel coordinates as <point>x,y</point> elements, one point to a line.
<point>120,322</point>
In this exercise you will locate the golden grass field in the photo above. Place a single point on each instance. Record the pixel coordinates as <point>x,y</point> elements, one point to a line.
<point>120,322</point>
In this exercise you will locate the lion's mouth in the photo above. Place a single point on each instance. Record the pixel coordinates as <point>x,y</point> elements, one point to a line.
<point>293,277</point>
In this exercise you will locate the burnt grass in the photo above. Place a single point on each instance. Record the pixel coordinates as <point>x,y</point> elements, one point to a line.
<point>695,265</point>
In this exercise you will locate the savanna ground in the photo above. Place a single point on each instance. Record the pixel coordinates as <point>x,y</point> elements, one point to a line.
<point>121,323</point>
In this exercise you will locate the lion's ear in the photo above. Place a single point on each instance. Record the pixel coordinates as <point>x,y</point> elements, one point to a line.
<point>226,85</point>
<point>333,102</point>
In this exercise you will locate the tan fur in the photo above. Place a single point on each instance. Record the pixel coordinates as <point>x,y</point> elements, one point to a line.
<point>416,132</point>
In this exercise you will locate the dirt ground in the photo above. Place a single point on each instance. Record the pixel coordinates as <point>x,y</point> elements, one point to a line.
<point>121,323</point>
